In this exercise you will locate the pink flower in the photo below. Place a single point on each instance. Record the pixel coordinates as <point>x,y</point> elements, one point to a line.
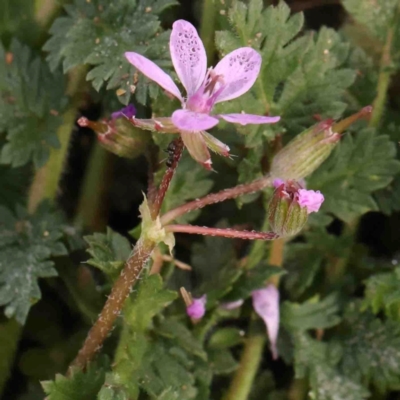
<point>233,76</point>
<point>127,112</point>
<point>197,309</point>
<point>311,199</point>
<point>266,305</point>
<point>278,182</point>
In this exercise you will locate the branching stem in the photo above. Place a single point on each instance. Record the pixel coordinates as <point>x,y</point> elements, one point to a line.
<point>218,197</point>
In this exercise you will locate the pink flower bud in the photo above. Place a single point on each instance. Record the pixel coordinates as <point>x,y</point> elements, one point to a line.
<point>266,305</point>
<point>197,309</point>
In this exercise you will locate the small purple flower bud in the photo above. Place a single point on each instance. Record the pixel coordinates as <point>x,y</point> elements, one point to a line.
<point>310,199</point>
<point>127,112</point>
<point>232,305</point>
<point>197,309</point>
<point>266,305</point>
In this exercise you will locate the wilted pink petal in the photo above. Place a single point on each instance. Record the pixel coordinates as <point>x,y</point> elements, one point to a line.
<point>239,69</point>
<point>310,199</point>
<point>278,182</point>
<point>197,147</point>
<point>193,121</point>
<point>153,72</point>
<point>245,119</point>
<point>232,305</point>
<point>266,305</point>
<point>188,55</point>
<point>198,308</point>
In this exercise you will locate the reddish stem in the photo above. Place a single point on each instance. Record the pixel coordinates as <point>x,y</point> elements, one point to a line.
<point>213,198</point>
<point>128,277</point>
<point>169,173</point>
<point>228,233</point>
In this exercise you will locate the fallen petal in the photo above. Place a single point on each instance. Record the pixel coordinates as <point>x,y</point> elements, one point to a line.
<point>188,55</point>
<point>197,148</point>
<point>245,119</point>
<point>192,121</point>
<point>266,305</point>
<point>239,69</point>
<point>153,72</point>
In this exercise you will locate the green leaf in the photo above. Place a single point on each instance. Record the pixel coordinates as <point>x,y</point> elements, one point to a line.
<point>371,350</point>
<point>26,244</point>
<point>252,279</point>
<point>222,361</point>
<point>182,336</point>
<point>382,292</point>
<point>377,18</point>
<point>328,384</point>
<point>215,265</point>
<point>359,166</point>
<point>300,76</point>
<point>80,385</point>
<point>109,251</point>
<point>225,337</point>
<point>388,198</point>
<point>110,29</point>
<point>14,183</point>
<point>31,99</point>
<point>313,314</point>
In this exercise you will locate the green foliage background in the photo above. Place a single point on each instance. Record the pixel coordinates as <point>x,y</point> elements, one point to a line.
<point>69,209</point>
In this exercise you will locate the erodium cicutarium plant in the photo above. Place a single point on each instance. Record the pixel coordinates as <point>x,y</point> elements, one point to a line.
<point>135,264</point>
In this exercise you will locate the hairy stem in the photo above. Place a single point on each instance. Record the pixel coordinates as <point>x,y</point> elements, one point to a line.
<point>128,277</point>
<point>169,174</point>
<point>385,73</point>
<point>111,310</point>
<point>213,198</point>
<point>228,233</point>
<point>249,363</point>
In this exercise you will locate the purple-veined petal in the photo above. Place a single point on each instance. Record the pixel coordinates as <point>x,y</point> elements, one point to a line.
<point>266,305</point>
<point>197,148</point>
<point>239,69</point>
<point>188,55</point>
<point>193,121</point>
<point>245,119</point>
<point>153,72</point>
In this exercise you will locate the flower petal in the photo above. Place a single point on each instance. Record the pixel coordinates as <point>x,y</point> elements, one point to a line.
<point>266,305</point>
<point>239,69</point>
<point>197,148</point>
<point>198,308</point>
<point>128,112</point>
<point>245,119</point>
<point>153,72</point>
<point>193,121</point>
<point>310,199</point>
<point>188,55</point>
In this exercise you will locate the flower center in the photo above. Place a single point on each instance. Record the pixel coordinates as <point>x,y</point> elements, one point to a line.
<point>204,99</point>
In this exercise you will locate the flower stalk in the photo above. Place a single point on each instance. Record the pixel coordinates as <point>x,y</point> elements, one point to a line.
<point>227,233</point>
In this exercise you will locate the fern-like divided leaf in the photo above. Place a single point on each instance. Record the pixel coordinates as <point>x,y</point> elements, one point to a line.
<point>31,99</point>
<point>26,244</point>
<point>98,32</point>
<point>371,350</point>
<point>358,167</point>
<point>80,385</point>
